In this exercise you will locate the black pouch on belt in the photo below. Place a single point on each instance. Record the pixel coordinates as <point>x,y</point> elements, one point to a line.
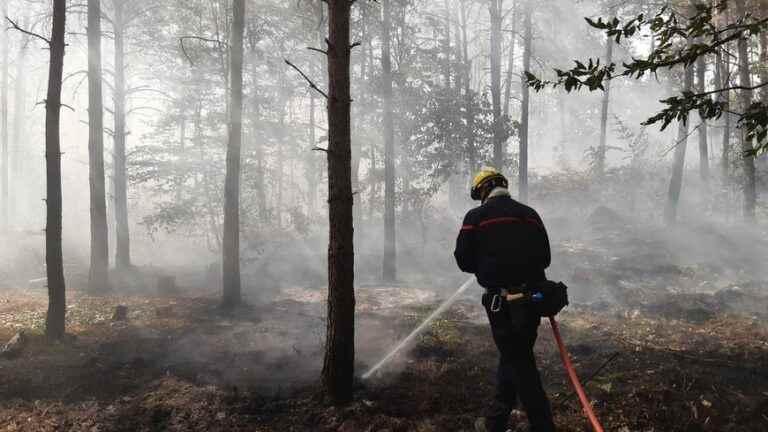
<point>554,298</point>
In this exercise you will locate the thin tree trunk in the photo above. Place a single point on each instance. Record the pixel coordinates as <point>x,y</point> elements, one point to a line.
<point>602,149</point>
<point>510,62</point>
<point>764,66</point>
<point>311,165</point>
<point>5,178</point>
<point>390,251</point>
<point>231,238</point>
<point>498,131</point>
<point>338,364</point>
<point>523,173</point>
<point>701,70</point>
<point>722,80</point>
<point>19,136</point>
<point>750,192</point>
<point>182,150</point>
<point>122,231</point>
<point>280,162</point>
<point>447,45</point>
<point>261,193</point>
<point>374,182</point>
<point>458,71</point>
<point>57,301</point>
<point>98,280</point>
<point>681,144</point>
<point>468,111</point>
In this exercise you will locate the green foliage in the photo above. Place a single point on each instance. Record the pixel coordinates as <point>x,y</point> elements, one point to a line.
<point>680,42</point>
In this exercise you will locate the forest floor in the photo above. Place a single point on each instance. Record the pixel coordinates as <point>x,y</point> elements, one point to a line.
<point>177,364</point>
<point>669,328</point>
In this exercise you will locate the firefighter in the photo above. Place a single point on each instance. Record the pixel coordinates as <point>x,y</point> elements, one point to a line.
<point>504,243</point>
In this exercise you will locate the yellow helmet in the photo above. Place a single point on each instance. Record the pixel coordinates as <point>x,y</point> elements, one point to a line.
<point>487,177</point>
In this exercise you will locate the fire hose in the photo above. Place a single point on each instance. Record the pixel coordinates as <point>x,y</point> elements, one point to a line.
<point>509,297</point>
<point>574,379</point>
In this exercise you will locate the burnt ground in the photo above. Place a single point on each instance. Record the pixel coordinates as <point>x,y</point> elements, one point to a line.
<point>177,364</point>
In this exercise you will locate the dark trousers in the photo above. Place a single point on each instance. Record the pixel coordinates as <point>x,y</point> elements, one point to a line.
<point>514,331</point>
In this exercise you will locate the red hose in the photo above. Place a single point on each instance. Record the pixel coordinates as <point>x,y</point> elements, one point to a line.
<point>574,379</point>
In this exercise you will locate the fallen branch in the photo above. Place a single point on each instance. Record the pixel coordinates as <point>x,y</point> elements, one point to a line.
<point>590,378</point>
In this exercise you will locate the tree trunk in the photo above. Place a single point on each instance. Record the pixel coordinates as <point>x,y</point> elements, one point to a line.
<point>701,86</point>
<point>750,193</point>
<point>390,251</point>
<point>468,112</point>
<point>231,238</point>
<point>721,78</point>
<point>764,66</point>
<point>311,165</point>
<point>602,149</point>
<point>261,193</point>
<point>280,162</point>
<point>523,173</point>
<point>98,279</point>
<point>447,45</point>
<point>510,62</point>
<point>57,302</point>
<point>122,233</point>
<point>458,69</point>
<point>5,160</point>
<point>681,143</point>
<point>498,131</point>
<point>20,173</point>
<point>338,364</point>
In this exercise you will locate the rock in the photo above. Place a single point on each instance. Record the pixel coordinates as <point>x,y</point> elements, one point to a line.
<point>14,346</point>
<point>121,313</point>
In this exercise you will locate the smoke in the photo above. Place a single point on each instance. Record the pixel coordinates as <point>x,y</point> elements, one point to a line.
<point>607,233</point>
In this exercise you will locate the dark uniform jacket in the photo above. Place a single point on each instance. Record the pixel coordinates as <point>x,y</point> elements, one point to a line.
<point>504,243</point>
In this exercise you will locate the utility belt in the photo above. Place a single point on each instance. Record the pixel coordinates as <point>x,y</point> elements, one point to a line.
<point>545,298</point>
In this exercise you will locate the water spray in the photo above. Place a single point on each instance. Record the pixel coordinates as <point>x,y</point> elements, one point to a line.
<point>439,311</point>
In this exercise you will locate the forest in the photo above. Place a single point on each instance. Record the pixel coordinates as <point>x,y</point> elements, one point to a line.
<point>240,215</point>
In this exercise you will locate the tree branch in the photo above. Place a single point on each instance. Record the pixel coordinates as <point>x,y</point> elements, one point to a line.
<point>27,32</point>
<point>311,83</point>
<point>754,87</point>
<point>200,38</point>
<point>318,50</point>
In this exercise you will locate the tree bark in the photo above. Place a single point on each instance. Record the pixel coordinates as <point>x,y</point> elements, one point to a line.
<point>390,251</point>
<point>681,143</point>
<point>447,45</point>
<point>20,173</point>
<point>748,161</point>
<point>57,302</point>
<point>310,175</point>
<point>468,111</point>
<point>510,62</point>
<point>523,171</point>
<point>122,230</point>
<point>764,66</point>
<point>701,85</point>
<point>722,72</point>
<point>338,364</point>
<point>498,131</point>
<point>602,149</point>
<point>231,239</point>
<point>5,204</point>
<point>98,280</point>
